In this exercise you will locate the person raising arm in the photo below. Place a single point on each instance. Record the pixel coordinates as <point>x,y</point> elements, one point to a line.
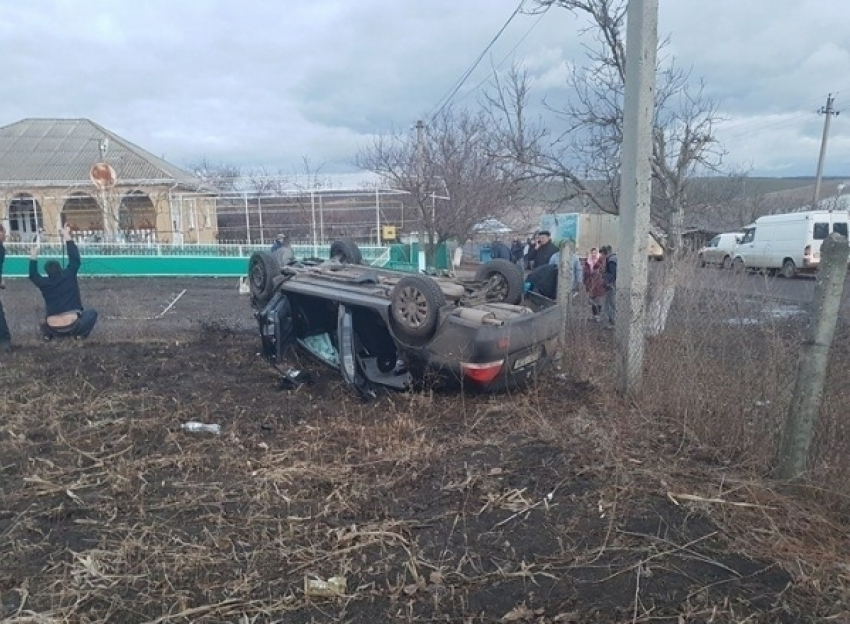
<point>65,315</point>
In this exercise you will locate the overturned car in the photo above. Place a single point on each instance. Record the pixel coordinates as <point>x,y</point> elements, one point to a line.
<point>383,327</point>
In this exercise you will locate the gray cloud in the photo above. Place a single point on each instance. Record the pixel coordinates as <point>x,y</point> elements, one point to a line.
<point>265,84</point>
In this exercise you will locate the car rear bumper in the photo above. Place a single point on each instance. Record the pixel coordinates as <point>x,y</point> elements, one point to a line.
<point>495,358</point>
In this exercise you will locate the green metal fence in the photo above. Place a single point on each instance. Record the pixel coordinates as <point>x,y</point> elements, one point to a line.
<point>154,260</point>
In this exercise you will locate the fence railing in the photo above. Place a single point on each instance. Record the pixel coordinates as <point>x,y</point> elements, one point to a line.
<point>374,255</point>
<point>164,259</point>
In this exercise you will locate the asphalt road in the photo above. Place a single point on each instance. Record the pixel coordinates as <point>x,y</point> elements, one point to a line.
<point>799,289</point>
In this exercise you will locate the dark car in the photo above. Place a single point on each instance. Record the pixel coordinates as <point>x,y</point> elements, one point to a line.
<point>395,329</point>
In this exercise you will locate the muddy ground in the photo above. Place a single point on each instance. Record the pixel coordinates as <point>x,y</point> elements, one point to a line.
<point>558,504</point>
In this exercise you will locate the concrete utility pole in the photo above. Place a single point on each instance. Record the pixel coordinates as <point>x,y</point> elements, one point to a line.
<point>825,110</point>
<point>565,291</point>
<point>814,357</point>
<point>635,192</point>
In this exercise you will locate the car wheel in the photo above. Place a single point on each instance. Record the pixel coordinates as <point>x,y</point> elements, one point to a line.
<point>789,269</point>
<point>738,265</point>
<point>346,251</point>
<point>505,279</point>
<point>262,269</point>
<point>727,263</point>
<point>416,302</point>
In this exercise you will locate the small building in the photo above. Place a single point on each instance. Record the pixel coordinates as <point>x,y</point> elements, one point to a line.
<point>75,172</point>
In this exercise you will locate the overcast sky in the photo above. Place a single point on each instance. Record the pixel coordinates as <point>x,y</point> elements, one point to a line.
<point>269,83</point>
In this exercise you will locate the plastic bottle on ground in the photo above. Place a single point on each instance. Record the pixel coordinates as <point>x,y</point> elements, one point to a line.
<point>198,426</point>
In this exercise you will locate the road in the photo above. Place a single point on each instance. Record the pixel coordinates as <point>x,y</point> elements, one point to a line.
<point>798,290</point>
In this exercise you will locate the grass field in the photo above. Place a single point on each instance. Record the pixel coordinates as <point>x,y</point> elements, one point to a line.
<point>563,503</point>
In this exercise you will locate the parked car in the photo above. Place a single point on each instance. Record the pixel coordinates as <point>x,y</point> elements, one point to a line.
<point>720,250</point>
<point>383,327</point>
<point>788,243</point>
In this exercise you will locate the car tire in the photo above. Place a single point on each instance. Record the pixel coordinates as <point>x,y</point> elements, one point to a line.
<point>738,266</point>
<point>346,251</point>
<point>727,263</point>
<point>263,267</point>
<point>511,283</point>
<point>789,269</point>
<point>415,307</point>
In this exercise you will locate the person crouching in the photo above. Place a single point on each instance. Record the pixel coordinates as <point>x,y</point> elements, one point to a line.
<point>65,315</point>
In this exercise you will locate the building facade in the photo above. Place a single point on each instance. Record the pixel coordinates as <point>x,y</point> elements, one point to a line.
<point>49,177</point>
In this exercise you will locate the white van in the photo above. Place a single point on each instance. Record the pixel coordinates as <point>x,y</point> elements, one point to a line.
<point>720,250</point>
<point>788,243</point>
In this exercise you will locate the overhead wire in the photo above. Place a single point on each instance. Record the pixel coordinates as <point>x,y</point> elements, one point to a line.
<point>446,99</point>
<point>506,57</point>
<point>745,126</point>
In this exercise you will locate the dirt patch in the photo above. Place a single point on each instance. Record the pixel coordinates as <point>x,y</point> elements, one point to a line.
<point>550,505</point>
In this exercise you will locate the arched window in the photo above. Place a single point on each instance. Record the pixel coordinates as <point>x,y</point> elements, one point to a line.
<point>25,219</point>
<point>83,214</point>
<point>136,215</point>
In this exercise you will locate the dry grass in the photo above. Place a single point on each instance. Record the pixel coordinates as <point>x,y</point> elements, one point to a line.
<point>557,504</point>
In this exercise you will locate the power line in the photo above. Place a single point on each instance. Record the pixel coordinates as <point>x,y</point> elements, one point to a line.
<point>507,56</point>
<point>743,129</point>
<point>446,99</point>
<point>745,126</point>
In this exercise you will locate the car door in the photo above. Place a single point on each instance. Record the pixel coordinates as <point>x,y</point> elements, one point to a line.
<point>746,250</point>
<point>709,253</point>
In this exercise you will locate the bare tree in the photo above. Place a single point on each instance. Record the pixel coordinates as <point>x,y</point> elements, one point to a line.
<point>684,120</point>
<point>541,158</point>
<point>221,177</point>
<point>456,176</point>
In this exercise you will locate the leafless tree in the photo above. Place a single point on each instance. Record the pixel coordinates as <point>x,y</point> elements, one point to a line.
<point>542,159</point>
<point>684,123</point>
<point>221,177</point>
<point>456,177</point>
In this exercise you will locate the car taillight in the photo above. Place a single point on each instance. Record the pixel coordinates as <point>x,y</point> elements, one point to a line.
<point>482,373</point>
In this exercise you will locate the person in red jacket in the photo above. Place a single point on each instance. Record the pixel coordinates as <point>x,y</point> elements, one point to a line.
<point>61,291</point>
<point>594,281</point>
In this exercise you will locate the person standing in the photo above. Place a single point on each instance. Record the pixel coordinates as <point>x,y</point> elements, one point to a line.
<point>282,250</point>
<point>279,241</point>
<point>610,275</point>
<point>594,282</point>
<point>575,268</point>
<point>5,336</point>
<point>499,250</point>
<point>65,315</point>
<point>542,251</point>
<point>516,251</point>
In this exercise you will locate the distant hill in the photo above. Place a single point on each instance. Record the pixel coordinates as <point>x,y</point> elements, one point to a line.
<point>717,203</point>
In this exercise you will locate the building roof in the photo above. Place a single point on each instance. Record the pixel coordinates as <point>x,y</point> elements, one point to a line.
<point>61,152</point>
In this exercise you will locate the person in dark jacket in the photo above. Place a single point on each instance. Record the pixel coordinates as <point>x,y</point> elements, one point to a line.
<point>282,250</point>
<point>279,242</point>
<point>65,315</point>
<point>542,250</point>
<point>5,336</point>
<point>543,280</point>
<point>499,251</point>
<point>516,250</point>
<point>610,276</point>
